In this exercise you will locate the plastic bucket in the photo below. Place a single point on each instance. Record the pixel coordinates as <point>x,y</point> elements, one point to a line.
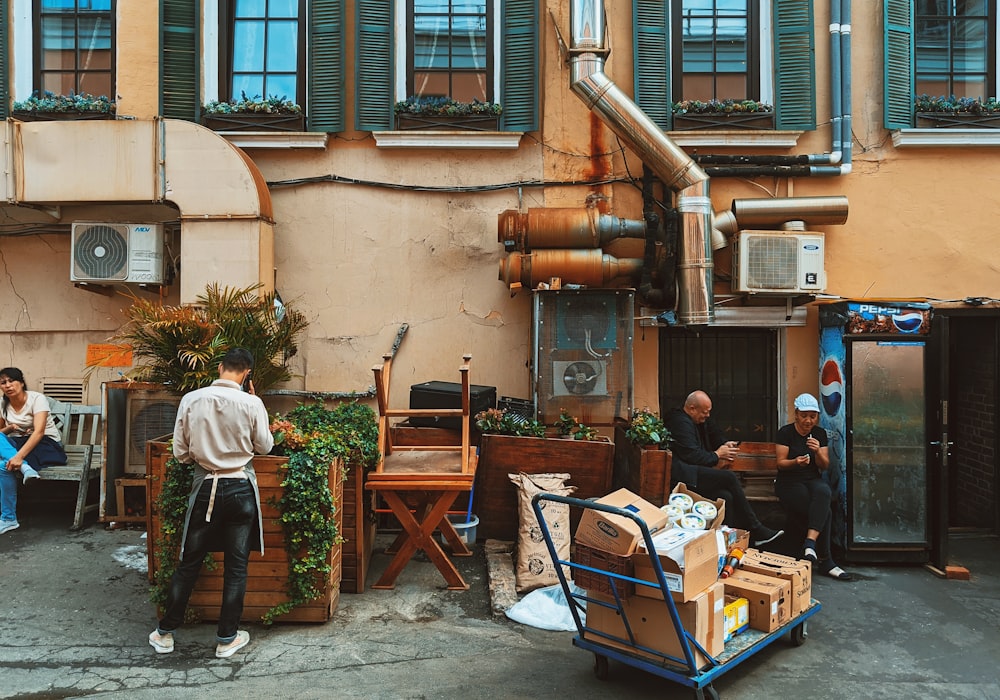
<point>466,530</point>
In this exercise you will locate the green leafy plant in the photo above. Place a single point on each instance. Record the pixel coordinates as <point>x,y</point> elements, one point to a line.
<point>313,437</point>
<point>181,346</point>
<point>569,426</point>
<point>50,102</point>
<point>496,421</point>
<point>445,106</point>
<point>271,104</point>
<point>727,106</point>
<point>646,428</point>
<point>171,504</point>
<point>957,105</point>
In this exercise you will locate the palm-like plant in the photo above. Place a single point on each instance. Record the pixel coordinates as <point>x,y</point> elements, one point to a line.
<point>181,346</point>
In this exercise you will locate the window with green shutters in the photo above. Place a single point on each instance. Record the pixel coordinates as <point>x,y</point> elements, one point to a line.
<point>256,60</point>
<point>516,58</point>
<point>672,52</point>
<point>74,47</point>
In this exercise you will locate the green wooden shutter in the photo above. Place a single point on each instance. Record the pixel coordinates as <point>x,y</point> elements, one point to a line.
<point>325,97</point>
<point>180,42</point>
<point>794,65</point>
<point>519,65</point>
<point>651,82</point>
<point>899,65</point>
<point>373,67</point>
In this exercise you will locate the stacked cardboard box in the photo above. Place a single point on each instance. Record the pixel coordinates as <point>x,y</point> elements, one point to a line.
<point>798,572</point>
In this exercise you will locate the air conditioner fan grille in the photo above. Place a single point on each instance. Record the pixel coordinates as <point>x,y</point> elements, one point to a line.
<point>772,262</point>
<point>101,252</point>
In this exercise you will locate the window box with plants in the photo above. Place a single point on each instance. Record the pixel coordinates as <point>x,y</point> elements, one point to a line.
<point>50,107</point>
<point>957,112</point>
<point>642,458</point>
<point>446,114</point>
<point>722,114</point>
<point>510,445</point>
<point>254,114</point>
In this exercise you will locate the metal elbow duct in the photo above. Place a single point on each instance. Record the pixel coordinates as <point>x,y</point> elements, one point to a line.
<point>665,158</point>
<point>751,213</point>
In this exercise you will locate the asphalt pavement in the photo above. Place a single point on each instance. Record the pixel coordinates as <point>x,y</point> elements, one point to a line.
<point>76,614</point>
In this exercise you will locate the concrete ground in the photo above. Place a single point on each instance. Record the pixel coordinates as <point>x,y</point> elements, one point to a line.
<point>75,617</point>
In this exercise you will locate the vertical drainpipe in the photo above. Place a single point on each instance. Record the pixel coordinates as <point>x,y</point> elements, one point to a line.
<point>836,82</point>
<point>644,138</point>
<point>845,61</point>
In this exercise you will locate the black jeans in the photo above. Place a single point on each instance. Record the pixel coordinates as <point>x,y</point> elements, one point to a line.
<point>724,484</point>
<point>234,516</point>
<point>810,499</point>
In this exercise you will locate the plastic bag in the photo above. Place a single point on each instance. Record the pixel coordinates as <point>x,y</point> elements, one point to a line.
<point>547,609</point>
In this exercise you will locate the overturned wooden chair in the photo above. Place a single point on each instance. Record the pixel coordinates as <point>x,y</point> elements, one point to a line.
<point>420,480</point>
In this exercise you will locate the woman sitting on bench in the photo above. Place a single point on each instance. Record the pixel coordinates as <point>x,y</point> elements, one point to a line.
<point>28,428</point>
<point>802,457</point>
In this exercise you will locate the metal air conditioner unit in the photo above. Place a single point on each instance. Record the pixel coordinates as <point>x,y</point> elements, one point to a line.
<point>111,252</point>
<point>776,262</point>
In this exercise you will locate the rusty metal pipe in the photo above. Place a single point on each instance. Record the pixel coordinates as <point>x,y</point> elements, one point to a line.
<point>563,228</point>
<point>587,267</point>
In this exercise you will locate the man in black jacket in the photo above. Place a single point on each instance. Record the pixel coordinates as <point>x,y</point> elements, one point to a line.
<point>701,460</point>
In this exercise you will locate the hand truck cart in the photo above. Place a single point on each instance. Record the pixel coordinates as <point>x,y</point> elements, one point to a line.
<point>687,670</point>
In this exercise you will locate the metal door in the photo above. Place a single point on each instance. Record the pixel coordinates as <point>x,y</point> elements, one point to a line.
<point>887,475</point>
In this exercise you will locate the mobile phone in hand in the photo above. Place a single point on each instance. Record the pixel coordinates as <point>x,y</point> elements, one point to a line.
<point>247,382</point>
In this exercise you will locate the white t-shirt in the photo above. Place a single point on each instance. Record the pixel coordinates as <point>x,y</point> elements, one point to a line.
<point>24,419</point>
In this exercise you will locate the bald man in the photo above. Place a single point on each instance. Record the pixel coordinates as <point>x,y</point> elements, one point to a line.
<point>701,460</point>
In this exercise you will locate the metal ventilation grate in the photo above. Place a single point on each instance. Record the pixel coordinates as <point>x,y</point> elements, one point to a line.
<point>100,251</point>
<point>772,262</point>
<point>66,390</point>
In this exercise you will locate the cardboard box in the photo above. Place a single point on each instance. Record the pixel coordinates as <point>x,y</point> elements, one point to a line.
<point>798,572</point>
<point>719,503</point>
<point>769,598</point>
<point>736,616</point>
<point>689,559</point>
<point>615,533</point>
<point>652,627</point>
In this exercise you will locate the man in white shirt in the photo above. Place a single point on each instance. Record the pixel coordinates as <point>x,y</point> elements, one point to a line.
<point>219,428</point>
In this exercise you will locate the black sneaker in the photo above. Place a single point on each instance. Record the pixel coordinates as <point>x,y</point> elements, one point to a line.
<point>764,535</point>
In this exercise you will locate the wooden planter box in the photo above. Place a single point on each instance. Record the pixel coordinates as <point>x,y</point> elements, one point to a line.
<point>267,575</point>
<point>59,116</point>
<point>642,470</point>
<point>359,529</point>
<point>255,122</point>
<point>472,122</point>
<point>958,120</point>
<point>724,120</point>
<point>495,497</point>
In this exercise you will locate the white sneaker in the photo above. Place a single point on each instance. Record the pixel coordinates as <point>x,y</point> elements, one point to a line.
<point>8,525</point>
<point>28,473</point>
<point>224,651</point>
<point>163,643</point>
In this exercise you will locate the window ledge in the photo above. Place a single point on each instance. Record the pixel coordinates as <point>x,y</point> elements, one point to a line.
<point>447,139</point>
<point>736,137</point>
<point>902,138</point>
<point>275,139</point>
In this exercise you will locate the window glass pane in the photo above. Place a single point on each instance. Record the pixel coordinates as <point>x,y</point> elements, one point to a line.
<point>430,42</point>
<point>282,43</point>
<point>282,86</point>
<point>94,34</point>
<point>250,85</point>
<point>283,8</point>
<point>450,39</point>
<point>248,46</point>
<point>250,8</point>
<point>954,42</point>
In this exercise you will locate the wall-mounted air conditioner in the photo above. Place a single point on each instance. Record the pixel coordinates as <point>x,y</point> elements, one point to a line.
<point>778,262</point>
<point>111,252</point>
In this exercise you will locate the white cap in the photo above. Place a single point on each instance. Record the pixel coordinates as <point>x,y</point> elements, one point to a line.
<point>806,402</point>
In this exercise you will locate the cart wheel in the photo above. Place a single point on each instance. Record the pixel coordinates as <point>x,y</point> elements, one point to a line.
<point>799,634</point>
<point>706,693</point>
<point>601,667</point>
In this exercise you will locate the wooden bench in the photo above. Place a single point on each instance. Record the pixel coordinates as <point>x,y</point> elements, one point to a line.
<point>757,466</point>
<point>80,426</point>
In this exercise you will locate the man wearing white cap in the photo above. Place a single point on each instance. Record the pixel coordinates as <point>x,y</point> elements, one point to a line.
<point>803,456</point>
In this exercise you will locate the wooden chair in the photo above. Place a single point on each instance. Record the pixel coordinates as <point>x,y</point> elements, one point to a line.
<point>80,426</point>
<point>421,479</point>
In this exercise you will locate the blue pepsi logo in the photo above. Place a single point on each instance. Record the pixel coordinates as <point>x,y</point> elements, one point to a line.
<point>908,323</point>
<point>831,388</point>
